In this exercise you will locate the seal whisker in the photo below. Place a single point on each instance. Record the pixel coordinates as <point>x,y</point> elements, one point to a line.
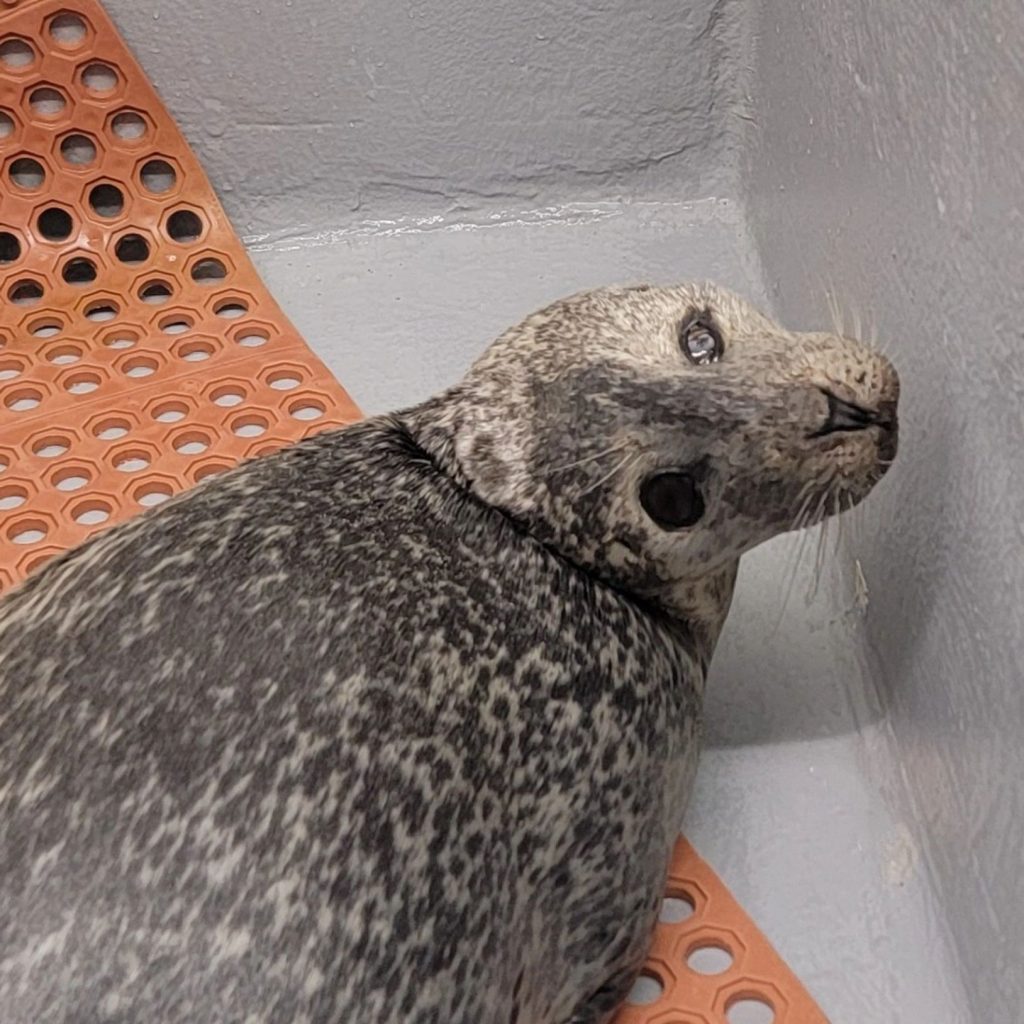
<point>840,520</point>
<point>855,312</point>
<point>631,457</point>
<point>593,457</point>
<point>801,521</point>
<point>821,514</point>
<point>819,559</point>
<point>835,313</point>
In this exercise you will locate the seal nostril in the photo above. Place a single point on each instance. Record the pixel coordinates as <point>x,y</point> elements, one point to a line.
<point>846,416</point>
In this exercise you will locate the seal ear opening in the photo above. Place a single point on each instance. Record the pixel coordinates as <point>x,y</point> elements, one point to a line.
<point>672,499</point>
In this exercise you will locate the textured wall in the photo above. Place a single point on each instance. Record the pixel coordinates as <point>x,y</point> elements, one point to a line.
<point>892,149</point>
<point>314,113</point>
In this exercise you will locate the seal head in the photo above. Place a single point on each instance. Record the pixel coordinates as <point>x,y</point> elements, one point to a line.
<point>653,435</point>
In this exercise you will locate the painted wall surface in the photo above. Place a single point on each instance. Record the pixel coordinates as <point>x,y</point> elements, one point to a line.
<point>315,113</point>
<point>890,165</point>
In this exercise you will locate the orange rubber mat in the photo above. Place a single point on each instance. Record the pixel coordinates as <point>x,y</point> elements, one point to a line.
<point>709,964</point>
<point>140,352</point>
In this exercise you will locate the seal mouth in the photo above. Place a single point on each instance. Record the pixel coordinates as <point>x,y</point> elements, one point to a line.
<point>846,417</point>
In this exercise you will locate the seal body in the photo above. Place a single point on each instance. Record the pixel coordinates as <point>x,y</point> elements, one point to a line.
<point>431,774</point>
<point>395,726</point>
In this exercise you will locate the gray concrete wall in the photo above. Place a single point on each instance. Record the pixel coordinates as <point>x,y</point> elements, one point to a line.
<point>889,164</point>
<point>312,114</point>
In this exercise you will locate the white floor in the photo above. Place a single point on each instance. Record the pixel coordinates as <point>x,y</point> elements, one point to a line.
<point>795,805</point>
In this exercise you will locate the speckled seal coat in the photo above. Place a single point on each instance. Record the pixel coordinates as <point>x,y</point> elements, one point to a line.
<point>397,726</point>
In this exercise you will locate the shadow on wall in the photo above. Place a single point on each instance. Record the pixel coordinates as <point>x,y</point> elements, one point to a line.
<point>910,565</point>
<point>787,668</point>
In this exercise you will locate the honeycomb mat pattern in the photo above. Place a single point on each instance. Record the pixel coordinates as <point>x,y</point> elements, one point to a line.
<point>139,353</point>
<point>709,964</point>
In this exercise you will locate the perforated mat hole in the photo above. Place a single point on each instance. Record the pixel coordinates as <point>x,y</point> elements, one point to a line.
<point>153,492</point>
<point>132,461</point>
<point>45,327</point>
<point>27,173</point>
<point>231,309</point>
<point>91,512</point>
<point>170,412</point>
<point>132,249</point>
<point>185,227</point>
<point>156,292</point>
<point>28,531</point>
<point>64,355</point>
<point>647,989</point>
<point>71,478</point>
<point>104,309</point>
<point>750,1009</point>
<point>79,271</point>
<point>128,126</point>
<point>23,399</point>
<point>249,425</point>
<point>140,366</point>
<point>252,337</point>
<point>676,907</point>
<point>120,339</point>
<point>6,124</point>
<point>10,248</point>
<point>176,323</point>
<point>107,201</point>
<point>11,368</point>
<point>194,442</point>
<point>82,383</point>
<point>78,150</point>
<point>207,470</point>
<point>196,351</point>
<point>228,396</point>
<point>47,102</point>
<point>709,958</point>
<point>12,496</point>
<point>68,31</point>
<point>209,271</point>
<point>38,561</point>
<point>158,177</point>
<point>99,79</point>
<point>16,54</point>
<point>111,429</point>
<point>52,446</point>
<point>283,380</point>
<point>25,293</point>
<point>55,224</point>
<point>306,409</point>
<point>266,449</point>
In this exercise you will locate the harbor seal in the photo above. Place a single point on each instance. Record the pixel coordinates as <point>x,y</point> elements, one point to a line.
<point>397,726</point>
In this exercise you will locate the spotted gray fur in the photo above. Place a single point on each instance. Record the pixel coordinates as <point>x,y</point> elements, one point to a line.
<point>397,726</point>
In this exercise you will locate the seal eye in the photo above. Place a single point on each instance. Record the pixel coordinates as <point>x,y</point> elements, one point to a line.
<point>700,341</point>
<point>672,499</point>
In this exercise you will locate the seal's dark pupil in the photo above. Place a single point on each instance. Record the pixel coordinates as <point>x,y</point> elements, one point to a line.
<point>672,500</point>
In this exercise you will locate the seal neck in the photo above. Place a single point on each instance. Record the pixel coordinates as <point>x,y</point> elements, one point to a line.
<point>461,435</point>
